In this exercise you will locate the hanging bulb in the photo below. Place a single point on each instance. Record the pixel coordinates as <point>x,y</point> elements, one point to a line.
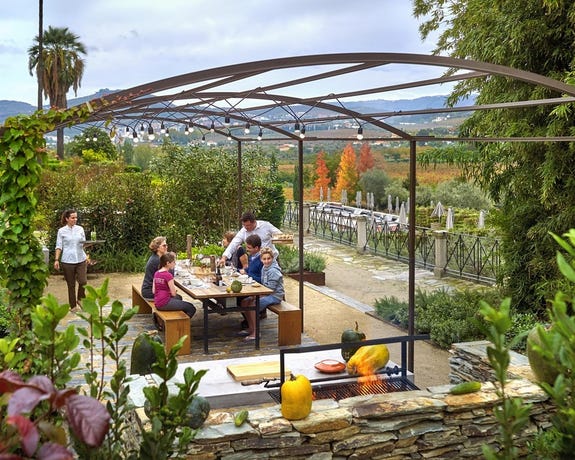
<point>260,135</point>
<point>212,127</point>
<point>227,121</point>
<point>87,139</point>
<point>151,135</point>
<point>135,137</point>
<point>302,132</point>
<point>95,139</point>
<point>162,128</point>
<point>203,138</point>
<point>296,128</point>
<point>186,131</point>
<point>247,128</point>
<point>229,136</point>
<point>142,128</point>
<point>359,133</point>
<point>190,127</point>
<point>167,133</point>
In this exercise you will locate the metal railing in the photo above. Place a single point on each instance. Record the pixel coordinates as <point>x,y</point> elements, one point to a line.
<point>471,257</point>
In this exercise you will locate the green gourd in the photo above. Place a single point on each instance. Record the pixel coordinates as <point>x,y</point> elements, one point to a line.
<point>236,286</point>
<point>143,354</point>
<point>198,411</point>
<point>351,335</point>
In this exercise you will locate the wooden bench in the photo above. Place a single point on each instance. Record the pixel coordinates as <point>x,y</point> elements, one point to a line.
<point>289,323</point>
<point>175,324</point>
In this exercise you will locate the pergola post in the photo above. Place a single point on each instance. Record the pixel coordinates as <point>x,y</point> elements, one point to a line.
<point>240,180</point>
<point>411,249</point>
<point>300,227</point>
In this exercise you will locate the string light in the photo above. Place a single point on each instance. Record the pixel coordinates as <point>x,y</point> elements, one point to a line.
<point>359,133</point>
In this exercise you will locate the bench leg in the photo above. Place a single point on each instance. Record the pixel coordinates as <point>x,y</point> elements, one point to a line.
<point>289,328</point>
<point>173,330</point>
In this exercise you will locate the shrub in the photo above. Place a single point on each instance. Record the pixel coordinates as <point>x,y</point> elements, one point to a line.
<point>448,316</point>
<point>313,261</point>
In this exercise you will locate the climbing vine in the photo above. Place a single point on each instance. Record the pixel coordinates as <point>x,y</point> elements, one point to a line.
<point>22,154</point>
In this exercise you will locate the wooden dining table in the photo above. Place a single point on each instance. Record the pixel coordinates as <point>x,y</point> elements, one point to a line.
<point>214,300</point>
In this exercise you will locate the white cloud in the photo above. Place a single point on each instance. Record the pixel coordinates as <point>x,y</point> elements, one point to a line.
<point>133,42</point>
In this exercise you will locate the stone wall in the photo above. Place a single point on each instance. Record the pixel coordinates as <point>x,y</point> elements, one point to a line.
<point>425,424</point>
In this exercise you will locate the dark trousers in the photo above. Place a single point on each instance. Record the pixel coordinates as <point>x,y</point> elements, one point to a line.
<point>73,273</point>
<point>176,303</point>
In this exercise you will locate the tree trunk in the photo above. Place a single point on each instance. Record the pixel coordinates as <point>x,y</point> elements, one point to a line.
<point>60,143</point>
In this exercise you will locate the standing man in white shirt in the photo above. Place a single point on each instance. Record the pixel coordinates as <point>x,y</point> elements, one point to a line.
<point>251,226</point>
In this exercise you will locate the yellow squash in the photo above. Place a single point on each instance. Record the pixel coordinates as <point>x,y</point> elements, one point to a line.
<point>296,396</point>
<point>368,359</point>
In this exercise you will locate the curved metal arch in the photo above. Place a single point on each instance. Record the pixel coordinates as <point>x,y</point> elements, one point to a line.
<point>140,102</point>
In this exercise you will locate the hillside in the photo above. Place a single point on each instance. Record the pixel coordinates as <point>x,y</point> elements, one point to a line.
<point>12,108</point>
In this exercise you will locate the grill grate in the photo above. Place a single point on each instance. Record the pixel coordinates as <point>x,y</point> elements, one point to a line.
<point>339,391</point>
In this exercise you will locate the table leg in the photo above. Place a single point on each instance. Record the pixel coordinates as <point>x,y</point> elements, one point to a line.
<point>257,322</point>
<point>205,306</point>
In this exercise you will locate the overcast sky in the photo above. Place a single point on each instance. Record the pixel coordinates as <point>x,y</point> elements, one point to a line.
<point>131,42</point>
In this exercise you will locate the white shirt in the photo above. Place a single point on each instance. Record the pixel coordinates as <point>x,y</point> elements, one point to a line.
<point>263,229</point>
<point>70,240</point>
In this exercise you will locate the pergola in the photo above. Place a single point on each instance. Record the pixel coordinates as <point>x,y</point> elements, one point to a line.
<point>293,99</point>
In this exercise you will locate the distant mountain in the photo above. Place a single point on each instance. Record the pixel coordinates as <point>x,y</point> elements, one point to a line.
<point>12,108</point>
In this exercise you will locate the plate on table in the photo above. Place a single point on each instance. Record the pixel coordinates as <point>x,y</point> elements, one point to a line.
<point>330,366</point>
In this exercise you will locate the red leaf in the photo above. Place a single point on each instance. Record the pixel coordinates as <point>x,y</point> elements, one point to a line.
<point>25,400</point>
<point>10,381</point>
<point>42,383</point>
<point>29,435</point>
<point>88,419</point>
<point>61,397</point>
<point>53,451</point>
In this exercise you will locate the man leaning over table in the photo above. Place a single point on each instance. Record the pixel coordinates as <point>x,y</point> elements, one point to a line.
<point>251,226</point>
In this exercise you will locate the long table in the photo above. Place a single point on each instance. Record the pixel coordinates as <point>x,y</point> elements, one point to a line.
<point>214,297</point>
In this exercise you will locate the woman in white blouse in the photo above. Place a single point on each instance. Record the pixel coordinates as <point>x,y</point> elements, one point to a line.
<point>70,256</point>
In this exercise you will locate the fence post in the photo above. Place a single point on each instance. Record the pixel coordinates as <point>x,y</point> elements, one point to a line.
<point>440,253</point>
<point>361,233</point>
<point>306,218</point>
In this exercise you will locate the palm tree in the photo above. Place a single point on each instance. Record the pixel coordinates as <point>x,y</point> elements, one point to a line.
<point>62,68</point>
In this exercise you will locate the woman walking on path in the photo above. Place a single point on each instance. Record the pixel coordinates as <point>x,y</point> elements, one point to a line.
<point>70,256</point>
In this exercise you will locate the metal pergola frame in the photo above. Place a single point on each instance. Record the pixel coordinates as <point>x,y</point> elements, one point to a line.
<point>224,100</point>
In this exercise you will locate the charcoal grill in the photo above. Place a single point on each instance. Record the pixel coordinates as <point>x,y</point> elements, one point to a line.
<point>344,390</point>
<point>330,388</point>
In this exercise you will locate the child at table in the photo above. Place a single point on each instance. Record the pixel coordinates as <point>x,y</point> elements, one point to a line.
<point>272,278</point>
<point>165,296</point>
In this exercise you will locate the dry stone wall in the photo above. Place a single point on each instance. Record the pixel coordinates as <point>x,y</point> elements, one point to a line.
<point>423,424</point>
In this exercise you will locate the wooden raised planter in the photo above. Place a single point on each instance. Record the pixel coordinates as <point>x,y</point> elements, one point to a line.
<point>317,278</point>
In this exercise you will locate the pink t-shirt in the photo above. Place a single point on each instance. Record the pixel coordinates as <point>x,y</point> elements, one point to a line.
<point>162,293</point>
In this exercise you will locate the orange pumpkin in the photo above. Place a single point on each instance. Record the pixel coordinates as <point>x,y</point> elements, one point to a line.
<point>296,396</point>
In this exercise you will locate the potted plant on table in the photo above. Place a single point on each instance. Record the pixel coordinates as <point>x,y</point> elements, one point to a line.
<point>313,264</point>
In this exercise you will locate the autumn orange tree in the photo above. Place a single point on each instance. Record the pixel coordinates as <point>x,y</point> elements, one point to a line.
<point>322,175</point>
<point>366,160</point>
<point>347,174</point>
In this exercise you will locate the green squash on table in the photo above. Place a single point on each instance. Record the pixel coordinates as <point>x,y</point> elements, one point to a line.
<point>351,335</point>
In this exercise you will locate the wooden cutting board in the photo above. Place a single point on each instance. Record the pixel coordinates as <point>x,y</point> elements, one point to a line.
<point>254,371</point>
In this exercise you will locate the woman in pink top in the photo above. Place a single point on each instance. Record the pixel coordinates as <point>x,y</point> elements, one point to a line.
<point>165,296</point>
